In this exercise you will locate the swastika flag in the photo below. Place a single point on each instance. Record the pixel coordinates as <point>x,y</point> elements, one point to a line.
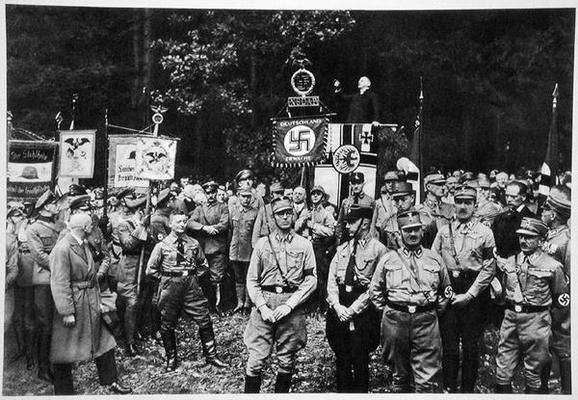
<point>299,141</point>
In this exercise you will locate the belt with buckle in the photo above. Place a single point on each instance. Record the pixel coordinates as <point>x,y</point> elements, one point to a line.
<point>412,309</point>
<point>83,285</point>
<point>280,289</point>
<point>186,272</point>
<point>461,273</point>
<point>526,308</point>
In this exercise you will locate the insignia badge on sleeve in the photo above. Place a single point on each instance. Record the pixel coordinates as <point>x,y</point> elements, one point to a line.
<point>448,292</point>
<point>564,299</point>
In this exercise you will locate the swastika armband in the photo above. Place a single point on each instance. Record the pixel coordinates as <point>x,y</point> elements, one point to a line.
<point>448,292</point>
<point>563,300</point>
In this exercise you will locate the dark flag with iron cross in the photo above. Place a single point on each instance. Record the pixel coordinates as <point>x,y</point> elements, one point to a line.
<point>549,170</point>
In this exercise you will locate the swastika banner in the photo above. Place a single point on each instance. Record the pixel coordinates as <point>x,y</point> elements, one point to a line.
<point>299,141</point>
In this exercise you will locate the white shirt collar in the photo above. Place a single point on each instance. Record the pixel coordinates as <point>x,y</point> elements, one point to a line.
<point>79,240</point>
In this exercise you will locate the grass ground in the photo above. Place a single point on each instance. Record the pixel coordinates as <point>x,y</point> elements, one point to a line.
<point>145,373</point>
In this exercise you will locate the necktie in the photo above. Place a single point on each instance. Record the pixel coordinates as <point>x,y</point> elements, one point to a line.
<point>180,251</point>
<point>350,271</point>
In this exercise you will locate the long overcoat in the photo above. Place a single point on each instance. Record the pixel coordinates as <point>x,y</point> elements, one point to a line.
<point>75,291</point>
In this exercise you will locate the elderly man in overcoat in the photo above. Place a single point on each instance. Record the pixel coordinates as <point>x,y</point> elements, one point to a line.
<point>78,333</point>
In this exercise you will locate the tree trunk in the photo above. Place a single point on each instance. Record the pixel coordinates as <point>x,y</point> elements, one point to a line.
<point>136,39</point>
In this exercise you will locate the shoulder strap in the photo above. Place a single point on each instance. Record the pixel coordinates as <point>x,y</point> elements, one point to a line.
<point>277,261</point>
<point>412,274</point>
<point>453,245</point>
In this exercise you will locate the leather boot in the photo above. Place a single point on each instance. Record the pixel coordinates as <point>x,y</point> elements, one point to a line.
<point>531,390</point>
<point>44,371</point>
<point>217,290</point>
<point>209,348</point>
<point>504,388</point>
<point>545,378</point>
<point>566,376</point>
<point>240,290</point>
<point>170,344</point>
<point>283,382</point>
<point>252,384</point>
<point>130,330</point>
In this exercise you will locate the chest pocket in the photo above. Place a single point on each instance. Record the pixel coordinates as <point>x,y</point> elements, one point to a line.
<point>294,259</point>
<point>393,276</point>
<point>430,277</point>
<point>538,283</point>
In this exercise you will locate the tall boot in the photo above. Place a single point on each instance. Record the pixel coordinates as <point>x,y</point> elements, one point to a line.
<point>566,376</point>
<point>252,384</point>
<point>30,342</point>
<point>217,291</point>
<point>130,330</point>
<point>209,349</point>
<point>170,344</point>
<point>545,378</point>
<point>240,290</point>
<point>44,371</point>
<point>504,388</point>
<point>283,382</point>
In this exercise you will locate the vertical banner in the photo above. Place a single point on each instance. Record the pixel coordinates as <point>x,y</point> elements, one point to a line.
<point>299,141</point>
<point>122,162</point>
<point>77,154</point>
<point>351,148</point>
<point>155,158</point>
<point>30,169</point>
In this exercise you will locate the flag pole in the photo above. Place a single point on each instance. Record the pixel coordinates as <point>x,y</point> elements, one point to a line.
<point>105,186</point>
<point>549,170</point>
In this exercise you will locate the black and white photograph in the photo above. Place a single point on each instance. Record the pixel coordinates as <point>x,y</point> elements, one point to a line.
<point>208,200</point>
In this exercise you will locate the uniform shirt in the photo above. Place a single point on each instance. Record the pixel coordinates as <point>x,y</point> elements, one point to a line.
<point>216,215</point>
<point>296,261</point>
<point>363,200</point>
<point>165,257</point>
<point>42,237</point>
<point>556,244</point>
<point>264,224</point>
<point>242,222</point>
<point>323,223</point>
<point>369,252</point>
<point>433,215</point>
<point>536,280</point>
<point>473,245</point>
<point>11,259</point>
<point>393,282</point>
<point>384,215</point>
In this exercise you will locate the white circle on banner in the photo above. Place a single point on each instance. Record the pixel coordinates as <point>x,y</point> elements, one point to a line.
<point>299,140</point>
<point>346,159</point>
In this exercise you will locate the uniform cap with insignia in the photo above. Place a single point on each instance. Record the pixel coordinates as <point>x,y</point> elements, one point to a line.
<point>318,189</point>
<point>126,192</point>
<point>558,203</point>
<point>465,192</point>
<point>357,177</point>
<point>434,178</point>
<point>279,205</point>
<point>210,186</point>
<point>409,219</point>
<point>357,211</point>
<point>134,203</point>
<point>401,189</point>
<point>244,174</point>
<point>390,176</point>
<point>79,202</point>
<point>245,192</point>
<point>532,227</point>
<point>276,187</point>
<point>46,198</point>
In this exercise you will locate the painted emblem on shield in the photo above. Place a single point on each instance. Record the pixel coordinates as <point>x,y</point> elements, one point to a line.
<point>346,159</point>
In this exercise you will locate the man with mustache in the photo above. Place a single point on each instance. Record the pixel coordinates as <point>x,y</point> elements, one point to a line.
<point>410,287</point>
<point>357,196</point>
<point>534,282</point>
<point>466,246</point>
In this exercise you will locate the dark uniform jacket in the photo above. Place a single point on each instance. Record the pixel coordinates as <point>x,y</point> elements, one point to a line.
<point>504,228</point>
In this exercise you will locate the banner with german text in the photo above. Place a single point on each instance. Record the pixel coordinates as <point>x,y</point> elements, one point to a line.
<point>122,161</point>
<point>299,141</point>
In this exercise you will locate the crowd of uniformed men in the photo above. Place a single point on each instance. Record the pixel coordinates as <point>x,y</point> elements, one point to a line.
<point>423,280</point>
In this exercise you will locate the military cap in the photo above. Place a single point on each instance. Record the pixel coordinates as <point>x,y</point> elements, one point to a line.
<point>409,219</point>
<point>163,197</point>
<point>465,192</point>
<point>279,205</point>
<point>558,203</point>
<point>357,211</point>
<point>532,227</point>
<point>318,189</point>
<point>452,179</point>
<point>46,198</point>
<point>473,183</point>
<point>401,189</point>
<point>134,203</point>
<point>210,186</point>
<point>276,187</point>
<point>244,174</point>
<point>29,172</point>
<point>126,192</point>
<point>467,176</point>
<point>79,202</point>
<point>357,177</point>
<point>245,192</point>
<point>391,176</point>
<point>434,178</point>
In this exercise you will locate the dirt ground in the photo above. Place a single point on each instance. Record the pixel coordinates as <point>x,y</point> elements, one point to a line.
<point>145,373</point>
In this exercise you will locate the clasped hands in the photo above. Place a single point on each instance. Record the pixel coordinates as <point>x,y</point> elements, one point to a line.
<point>272,316</point>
